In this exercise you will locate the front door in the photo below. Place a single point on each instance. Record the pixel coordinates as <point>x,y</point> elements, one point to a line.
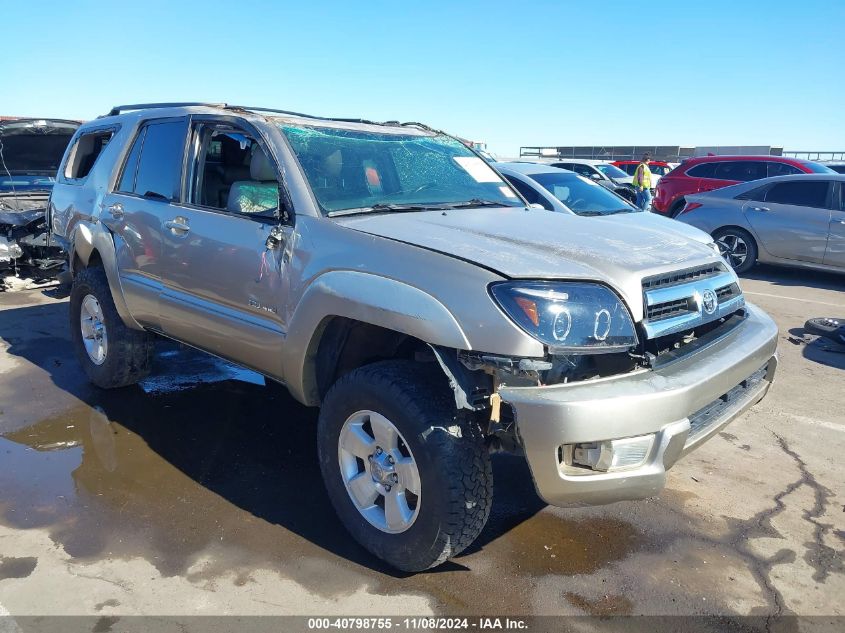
<point>793,219</point>
<point>224,250</point>
<point>135,211</point>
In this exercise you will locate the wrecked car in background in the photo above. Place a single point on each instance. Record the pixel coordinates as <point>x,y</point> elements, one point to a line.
<point>388,275</point>
<point>30,152</point>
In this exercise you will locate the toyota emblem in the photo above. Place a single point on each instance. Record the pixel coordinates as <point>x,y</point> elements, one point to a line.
<point>709,301</point>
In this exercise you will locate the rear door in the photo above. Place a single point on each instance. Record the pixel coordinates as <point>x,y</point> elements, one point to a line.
<point>793,218</point>
<point>135,211</point>
<point>835,255</point>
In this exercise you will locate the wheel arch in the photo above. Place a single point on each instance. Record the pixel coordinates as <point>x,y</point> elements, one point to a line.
<point>343,303</point>
<point>93,244</point>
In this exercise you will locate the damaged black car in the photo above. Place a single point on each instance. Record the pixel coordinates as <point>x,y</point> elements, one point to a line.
<point>30,153</point>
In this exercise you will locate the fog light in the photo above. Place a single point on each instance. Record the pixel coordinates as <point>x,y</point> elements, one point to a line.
<point>610,455</point>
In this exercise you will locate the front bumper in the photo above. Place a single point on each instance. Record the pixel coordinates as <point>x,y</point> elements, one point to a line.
<point>683,403</point>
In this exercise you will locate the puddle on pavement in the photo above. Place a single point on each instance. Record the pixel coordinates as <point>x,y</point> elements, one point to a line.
<point>14,567</point>
<point>221,478</point>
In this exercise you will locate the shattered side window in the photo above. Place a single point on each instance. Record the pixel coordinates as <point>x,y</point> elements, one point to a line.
<point>353,169</point>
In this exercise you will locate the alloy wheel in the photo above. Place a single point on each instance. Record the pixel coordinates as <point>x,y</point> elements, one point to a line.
<point>379,471</point>
<point>733,248</point>
<point>93,327</point>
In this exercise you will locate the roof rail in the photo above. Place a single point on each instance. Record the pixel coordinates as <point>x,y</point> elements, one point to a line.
<point>144,106</point>
<point>301,114</point>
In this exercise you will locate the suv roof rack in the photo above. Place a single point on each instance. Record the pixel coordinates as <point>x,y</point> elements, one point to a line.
<point>225,106</point>
<point>145,106</point>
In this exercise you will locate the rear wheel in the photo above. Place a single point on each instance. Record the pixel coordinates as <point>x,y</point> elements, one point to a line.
<point>408,475</point>
<point>737,247</point>
<point>111,354</point>
<point>676,209</point>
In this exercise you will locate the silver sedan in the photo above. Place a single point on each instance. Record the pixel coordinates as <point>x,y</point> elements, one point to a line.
<point>789,220</point>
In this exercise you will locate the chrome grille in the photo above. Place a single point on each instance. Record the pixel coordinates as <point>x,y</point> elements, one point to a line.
<point>682,276</point>
<point>669,309</point>
<point>682,300</point>
<point>726,292</point>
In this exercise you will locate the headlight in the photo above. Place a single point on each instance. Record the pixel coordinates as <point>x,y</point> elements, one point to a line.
<point>570,318</point>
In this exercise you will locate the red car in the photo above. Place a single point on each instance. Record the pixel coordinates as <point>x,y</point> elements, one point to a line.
<point>705,173</point>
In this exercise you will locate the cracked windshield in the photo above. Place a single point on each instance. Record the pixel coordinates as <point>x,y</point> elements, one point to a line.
<point>354,171</point>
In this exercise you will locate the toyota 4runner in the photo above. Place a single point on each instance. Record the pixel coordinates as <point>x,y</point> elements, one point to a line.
<point>388,275</point>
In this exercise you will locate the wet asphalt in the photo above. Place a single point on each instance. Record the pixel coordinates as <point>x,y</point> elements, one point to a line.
<point>207,480</point>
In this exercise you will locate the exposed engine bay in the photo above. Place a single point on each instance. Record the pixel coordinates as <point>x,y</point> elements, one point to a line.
<point>30,153</point>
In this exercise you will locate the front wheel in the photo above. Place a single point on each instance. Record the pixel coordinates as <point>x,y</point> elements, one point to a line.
<point>737,247</point>
<point>409,476</point>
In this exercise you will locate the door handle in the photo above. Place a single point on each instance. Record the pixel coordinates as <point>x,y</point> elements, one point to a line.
<point>178,225</point>
<point>763,209</point>
<point>115,210</point>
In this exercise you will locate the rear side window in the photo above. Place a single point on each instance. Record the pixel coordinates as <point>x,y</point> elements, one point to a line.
<point>805,194</point>
<point>156,161</point>
<point>704,170</point>
<point>781,169</point>
<point>85,153</point>
<point>629,169</point>
<point>127,178</point>
<point>741,170</point>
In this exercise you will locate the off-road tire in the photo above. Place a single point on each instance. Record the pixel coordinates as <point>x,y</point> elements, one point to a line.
<point>130,352</point>
<point>751,257</point>
<point>456,479</point>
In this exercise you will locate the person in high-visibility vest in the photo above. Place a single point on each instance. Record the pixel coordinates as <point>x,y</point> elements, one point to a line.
<point>642,183</point>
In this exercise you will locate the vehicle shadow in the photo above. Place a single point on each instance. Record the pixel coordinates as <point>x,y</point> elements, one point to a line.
<point>818,349</point>
<point>251,446</point>
<point>783,276</point>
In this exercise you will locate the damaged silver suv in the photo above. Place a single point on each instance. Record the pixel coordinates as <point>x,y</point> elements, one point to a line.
<point>388,275</point>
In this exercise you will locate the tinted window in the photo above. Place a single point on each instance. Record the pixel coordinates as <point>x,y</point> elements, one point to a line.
<point>127,178</point>
<point>781,169</point>
<point>839,169</point>
<point>704,170</point>
<point>160,166</point>
<point>755,194</point>
<point>741,170</point>
<point>805,194</point>
<point>628,169</point>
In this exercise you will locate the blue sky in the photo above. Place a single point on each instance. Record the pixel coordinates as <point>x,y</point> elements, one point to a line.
<point>509,73</point>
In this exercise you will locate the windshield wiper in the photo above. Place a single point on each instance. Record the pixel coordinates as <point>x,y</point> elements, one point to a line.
<point>478,202</point>
<point>387,208</point>
<point>615,211</point>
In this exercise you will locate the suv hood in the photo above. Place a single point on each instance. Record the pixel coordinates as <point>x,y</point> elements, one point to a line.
<point>618,250</point>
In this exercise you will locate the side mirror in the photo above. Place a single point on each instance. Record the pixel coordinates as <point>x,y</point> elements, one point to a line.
<point>595,176</point>
<point>536,205</point>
